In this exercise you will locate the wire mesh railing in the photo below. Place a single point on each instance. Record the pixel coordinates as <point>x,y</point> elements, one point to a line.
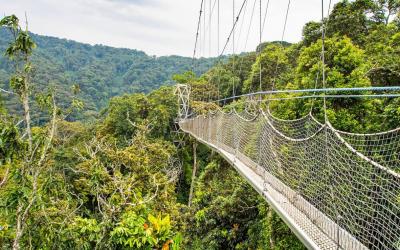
<point>346,184</point>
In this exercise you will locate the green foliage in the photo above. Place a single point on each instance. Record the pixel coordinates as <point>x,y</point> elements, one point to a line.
<point>10,144</point>
<point>275,66</point>
<point>85,232</point>
<point>354,19</point>
<point>137,232</point>
<point>19,50</point>
<point>94,194</point>
<point>361,50</point>
<point>76,186</point>
<point>383,50</point>
<point>158,109</point>
<point>177,242</point>
<point>349,19</point>
<point>11,22</point>
<point>113,184</point>
<point>229,77</point>
<point>311,33</point>
<point>24,45</point>
<point>223,80</point>
<point>345,64</point>
<point>185,77</point>
<point>101,72</point>
<point>228,214</point>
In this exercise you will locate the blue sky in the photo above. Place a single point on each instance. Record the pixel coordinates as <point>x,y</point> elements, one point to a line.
<point>161,27</point>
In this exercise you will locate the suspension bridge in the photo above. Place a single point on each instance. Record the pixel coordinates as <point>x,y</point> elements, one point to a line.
<point>334,189</point>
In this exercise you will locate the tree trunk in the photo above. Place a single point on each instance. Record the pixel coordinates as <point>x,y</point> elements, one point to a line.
<point>193,172</point>
<point>19,228</point>
<point>22,210</point>
<point>25,103</point>
<point>271,228</point>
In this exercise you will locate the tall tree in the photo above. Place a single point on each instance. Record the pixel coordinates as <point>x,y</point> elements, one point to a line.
<point>23,181</point>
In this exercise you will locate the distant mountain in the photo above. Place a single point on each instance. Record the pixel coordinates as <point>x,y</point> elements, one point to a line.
<point>101,71</point>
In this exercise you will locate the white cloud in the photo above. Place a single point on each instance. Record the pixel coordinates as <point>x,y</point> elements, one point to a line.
<point>160,27</point>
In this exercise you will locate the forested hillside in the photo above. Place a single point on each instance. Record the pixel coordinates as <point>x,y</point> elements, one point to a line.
<point>100,71</point>
<point>123,181</point>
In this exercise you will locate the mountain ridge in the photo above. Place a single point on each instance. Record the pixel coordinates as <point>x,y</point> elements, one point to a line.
<point>101,71</point>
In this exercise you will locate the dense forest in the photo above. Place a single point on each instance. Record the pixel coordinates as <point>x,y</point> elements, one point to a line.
<point>123,180</point>
<point>100,71</point>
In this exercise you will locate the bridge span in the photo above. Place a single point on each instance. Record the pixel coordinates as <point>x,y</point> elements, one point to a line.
<point>335,190</point>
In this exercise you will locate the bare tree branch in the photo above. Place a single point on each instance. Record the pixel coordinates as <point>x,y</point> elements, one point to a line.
<point>6,91</point>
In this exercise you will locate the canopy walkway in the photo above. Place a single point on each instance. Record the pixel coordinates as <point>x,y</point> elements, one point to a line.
<point>335,190</point>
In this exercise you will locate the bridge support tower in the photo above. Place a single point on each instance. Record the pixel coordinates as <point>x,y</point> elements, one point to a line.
<point>183,93</point>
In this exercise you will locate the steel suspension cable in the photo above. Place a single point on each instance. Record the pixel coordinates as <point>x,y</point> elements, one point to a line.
<point>327,149</point>
<point>317,76</point>
<point>209,43</point>
<point>233,47</point>
<point>250,25</point>
<point>283,36</point>
<point>241,25</point>
<point>323,57</point>
<point>204,29</point>
<point>218,28</point>
<point>211,13</point>
<point>259,50</point>
<point>261,33</point>
<point>286,19</point>
<point>210,30</point>
<point>233,28</point>
<point>197,34</point>
<point>329,8</point>
<point>247,37</point>
<point>219,58</point>
<point>265,16</point>
<point>237,44</point>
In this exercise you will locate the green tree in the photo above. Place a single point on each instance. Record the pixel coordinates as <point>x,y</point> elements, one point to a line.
<point>383,51</point>
<point>275,68</point>
<point>228,214</point>
<point>120,187</point>
<point>23,172</point>
<point>311,33</point>
<point>386,9</point>
<point>159,109</point>
<point>350,19</point>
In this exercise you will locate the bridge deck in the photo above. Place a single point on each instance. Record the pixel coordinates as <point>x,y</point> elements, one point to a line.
<point>311,226</point>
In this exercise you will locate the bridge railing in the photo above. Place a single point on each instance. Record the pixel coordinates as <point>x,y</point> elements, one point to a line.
<point>346,184</point>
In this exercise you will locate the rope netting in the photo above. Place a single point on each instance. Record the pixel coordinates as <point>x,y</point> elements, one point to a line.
<point>348,185</point>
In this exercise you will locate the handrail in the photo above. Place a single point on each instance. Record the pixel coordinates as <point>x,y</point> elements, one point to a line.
<point>326,90</point>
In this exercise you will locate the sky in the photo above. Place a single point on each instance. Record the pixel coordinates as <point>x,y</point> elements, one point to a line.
<point>166,27</point>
